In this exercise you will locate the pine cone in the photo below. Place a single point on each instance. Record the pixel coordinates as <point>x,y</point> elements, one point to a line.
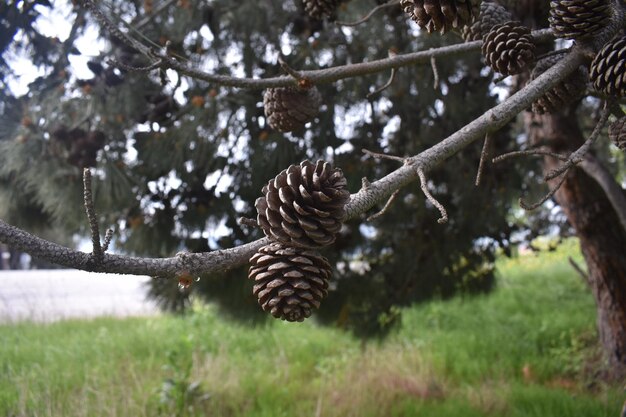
<point>508,48</point>
<point>617,133</point>
<point>289,282</point>
<point>608,69</point>
<point>579,19</point>
<point>491,14</point>
<point>290,108</point>
<point>304,205</point>
<point>320,9</point>
<point>563,94</point>
<point>441,15</point>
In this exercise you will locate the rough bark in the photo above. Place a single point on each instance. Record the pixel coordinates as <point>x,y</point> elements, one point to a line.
<point>597,225</point>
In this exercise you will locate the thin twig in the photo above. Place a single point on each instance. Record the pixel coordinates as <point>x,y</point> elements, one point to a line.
<point>530,207</point>
<point>91,215</point>
<point>154,14</point>
<point>429,196</point>
<point>384,86</point>
<point>552,53</point>
<point>107,240</point>
<point>484,154</point>
<point>129,68</point>
<point>530,152</point>
<point>577,156</point>
<point>384,210</point>
<point>367,17</point>
<point>325,75</point>
<point>377,155</point>
<point>578,269</point>
<point>302,81</point>
<point>433,65</point>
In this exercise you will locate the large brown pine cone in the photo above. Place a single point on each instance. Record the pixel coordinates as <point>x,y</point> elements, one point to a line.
<point>441,15</point>
<point>563,94</point>
<point>320,9</point>
<point>579,19</point>
<point>508,48</point>
<point>304,205</point>
<point>290,108</point>
<point>617,133</point>
<point>491,14</point>
<point>608,69</point>
<point>289,282</point>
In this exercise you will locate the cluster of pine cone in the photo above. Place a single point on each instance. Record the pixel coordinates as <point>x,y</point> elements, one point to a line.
<point>78,147</point>
<point>508,46</point>
<point>301,209</point>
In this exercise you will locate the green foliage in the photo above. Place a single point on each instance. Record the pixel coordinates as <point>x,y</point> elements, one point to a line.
<point>498,355</point>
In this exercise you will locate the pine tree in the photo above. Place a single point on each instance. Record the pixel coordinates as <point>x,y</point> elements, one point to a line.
<point>177,158</point>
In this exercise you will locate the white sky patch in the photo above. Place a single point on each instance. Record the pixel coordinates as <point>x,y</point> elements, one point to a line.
<point>218,180</point>
<point>25,73</point>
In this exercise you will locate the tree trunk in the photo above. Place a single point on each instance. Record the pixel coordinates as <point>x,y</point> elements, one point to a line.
<point>597,225</point>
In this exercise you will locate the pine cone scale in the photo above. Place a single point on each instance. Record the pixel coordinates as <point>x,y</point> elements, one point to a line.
<point>304,205</point>
<point>290,282</point>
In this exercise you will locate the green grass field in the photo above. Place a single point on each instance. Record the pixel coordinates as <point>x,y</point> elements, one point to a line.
<point>527,349</point>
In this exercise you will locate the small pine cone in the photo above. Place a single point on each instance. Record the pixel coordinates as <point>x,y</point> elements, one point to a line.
<point>579,19</point>
<point>289,282</point>
<point>290,108</point>
<point>617,133</point>
<point>320,9</point>
<point>508,48</point>
<point>441,15</point>
<point>491,14</point>
<point>563,94</point>
<point>304,205</point>
<point>608,69</point>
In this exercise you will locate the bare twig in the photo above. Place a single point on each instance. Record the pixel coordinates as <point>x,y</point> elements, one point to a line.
<point>107,240</point>
<point>91,215</point>
<point>368,16</point>
<point>360,202</point>
<point>314,76</point>
<point>614,192</point>
<point>129,68</point>
<point>530,207</point>
<point>162,7</point>
<point>578,269</point>
<point>529,152</point>
<point>577,156</point>
<point>484,154</point>
<point>377,155</point>
<point>292,72</point>
<point>552,53</point>
<point>384,86</point>
<point>433,65</point>
<point>384,209</point>
<point>429,196</point>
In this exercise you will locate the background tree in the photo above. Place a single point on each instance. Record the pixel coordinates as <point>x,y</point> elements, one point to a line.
<point>178,159</point>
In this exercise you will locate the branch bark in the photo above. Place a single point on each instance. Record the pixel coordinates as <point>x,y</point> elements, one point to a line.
<point>615,193</point>
<point>360,202</point>
<point>326,75</point>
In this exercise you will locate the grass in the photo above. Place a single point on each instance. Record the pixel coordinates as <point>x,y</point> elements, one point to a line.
<point>528,349</point>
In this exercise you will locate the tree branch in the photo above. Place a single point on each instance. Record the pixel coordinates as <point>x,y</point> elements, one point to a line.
<point>363,200</point>
<point>326,75</point>
<point>616,194</point>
